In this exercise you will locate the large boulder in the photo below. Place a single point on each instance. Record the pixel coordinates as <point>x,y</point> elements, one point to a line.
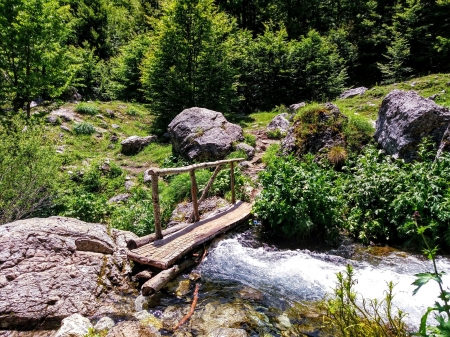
<point>317,132</point>
<point>134,144</point>
<point>201,134</point>
<point>404,119</point>
<point>55,267</point>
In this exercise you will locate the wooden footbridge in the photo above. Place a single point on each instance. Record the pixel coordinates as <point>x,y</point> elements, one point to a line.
<point>164,248</point>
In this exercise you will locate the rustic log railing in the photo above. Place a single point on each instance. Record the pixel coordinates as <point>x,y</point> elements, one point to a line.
<point>156,172</point>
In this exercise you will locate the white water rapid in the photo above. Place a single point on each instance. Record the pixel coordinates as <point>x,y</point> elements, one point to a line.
<point>300,275</point>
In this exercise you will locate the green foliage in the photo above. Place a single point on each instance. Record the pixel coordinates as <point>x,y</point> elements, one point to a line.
<point>88,207</point>
<point>189,63</point>
<point>84,128</point>
<point>136,215</point>
<point>87,108</point>
<point>276,70</point>
<point>125,69</point>
<point>275,134</point>
<point>29,170</point>
<point>222,185</point>
<point>358,132</point>
<point>250,139</point>
<point>298,199</point>
<point>349,316</point>
<point>93,333</point>
<point>441,307</point>
<point>371,198</point>
<point>397,55</point>
<point>34,60</point>
<point>269,157</point>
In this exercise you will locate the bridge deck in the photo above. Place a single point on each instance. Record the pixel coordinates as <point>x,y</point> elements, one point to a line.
<point>164,253</point>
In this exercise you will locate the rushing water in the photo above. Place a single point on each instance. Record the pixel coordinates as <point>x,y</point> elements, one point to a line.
<point>286,276</point>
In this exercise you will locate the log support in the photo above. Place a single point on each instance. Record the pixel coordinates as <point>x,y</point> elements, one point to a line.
<point>233,193</point>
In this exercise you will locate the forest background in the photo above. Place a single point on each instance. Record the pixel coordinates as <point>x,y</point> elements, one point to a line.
<point>232,56</point>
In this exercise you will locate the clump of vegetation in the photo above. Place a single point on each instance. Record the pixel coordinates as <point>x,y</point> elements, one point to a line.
<point>337,156</point>
<point>275,134</point>
<point>317,125</point>
<point>441,307</point>
<point>250,139</point>
<point>349,316</point>
<point>371,198</point>
<point>87,108</point>
<point>298,199</point>
<point>84,128</point>
<point>29,170</point>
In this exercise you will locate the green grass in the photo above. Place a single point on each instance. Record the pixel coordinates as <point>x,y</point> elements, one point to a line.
<point>87,108</point>
<point>84,129</point>
<point>257,120</point>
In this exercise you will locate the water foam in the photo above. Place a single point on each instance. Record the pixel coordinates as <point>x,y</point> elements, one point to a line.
<point>305,276</point>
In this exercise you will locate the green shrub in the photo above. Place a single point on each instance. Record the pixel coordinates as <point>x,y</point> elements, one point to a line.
<point>29,170</point>
<point>84,129</point>
<point>87,207</point>
<point>269,157</point>
<point>298,199</point>
<point>132,111</point>
<point>87,108</point>
<point>275,134</point>
<point>349,316</point>
<point>250,139</point>
<point>222,184</point>
<point>358,132</point>
<point>136,215</point>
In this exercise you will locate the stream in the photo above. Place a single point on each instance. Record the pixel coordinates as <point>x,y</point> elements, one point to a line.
<point>284,276</point>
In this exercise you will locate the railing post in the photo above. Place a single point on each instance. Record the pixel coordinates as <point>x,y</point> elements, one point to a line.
<point>156,207</point>
<point>233,194</point>
<point>194,195</point>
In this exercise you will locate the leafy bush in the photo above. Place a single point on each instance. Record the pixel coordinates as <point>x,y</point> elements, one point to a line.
<point>275,134</point>
<point>29,170</point>
<point>372,198</point>
<point>84,129</point>
<point>88,207</point>
<point>298,199</point>
<point>87,108</point>
<point>136,215</point>
<point>350,317</point>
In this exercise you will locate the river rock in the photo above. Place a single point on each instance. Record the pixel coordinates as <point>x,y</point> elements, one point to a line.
<point>134,144</point>
<point>404,119</point>
<point>105,323</point>
<point>353,92</point>
<point>279,123</point>
<point>133,329</point>
<point>227,332</point>
<point>74,326</point>
<point>216,315</point>
<point>52,268</point>
<point>203,135</point>
<point>249,150</point>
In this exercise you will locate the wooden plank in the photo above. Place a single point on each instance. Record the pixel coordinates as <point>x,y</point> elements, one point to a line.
<point>175,170</point>
<point>164,253</point>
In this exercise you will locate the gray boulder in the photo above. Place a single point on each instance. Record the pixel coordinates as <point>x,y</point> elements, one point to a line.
<point>353,92</point>
<point>120,198</point>
<point>294,107</point>
<point>280,123</point>
<point>55,267</point>
<point>201,134</point>
<point>404,119</point>
<point>74,326</point>
<point>445,143</point>
<point>105,323</point>
<point>134,144</point>
<point>249,150</point>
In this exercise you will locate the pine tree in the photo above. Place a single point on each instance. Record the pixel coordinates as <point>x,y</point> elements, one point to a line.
<point>189,62</point>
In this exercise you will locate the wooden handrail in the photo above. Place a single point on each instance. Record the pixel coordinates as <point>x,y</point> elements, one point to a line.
<point>156,172</point>
<point>176,170</point>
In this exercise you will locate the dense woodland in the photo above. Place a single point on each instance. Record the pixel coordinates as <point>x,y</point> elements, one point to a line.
<point>233,56</point>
